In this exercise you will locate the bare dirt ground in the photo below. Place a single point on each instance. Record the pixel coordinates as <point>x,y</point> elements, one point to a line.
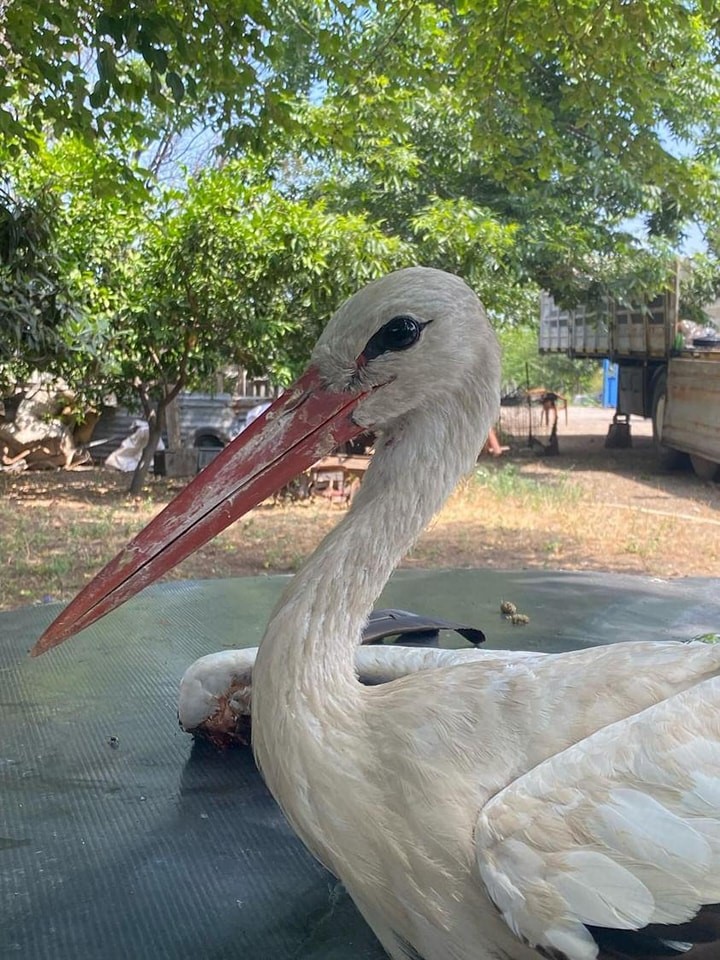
<point>589,508</point>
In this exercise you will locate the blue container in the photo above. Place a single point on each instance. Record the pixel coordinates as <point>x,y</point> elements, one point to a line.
<point>610,384</point>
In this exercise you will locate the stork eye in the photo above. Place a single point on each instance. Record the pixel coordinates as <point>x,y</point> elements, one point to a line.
<point>400,333</point>
<point>397,334</point>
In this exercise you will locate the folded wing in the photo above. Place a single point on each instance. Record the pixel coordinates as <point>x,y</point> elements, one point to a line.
<point>611,848</point>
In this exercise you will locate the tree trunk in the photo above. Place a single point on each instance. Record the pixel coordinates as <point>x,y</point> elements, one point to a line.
<point>172,423</point>
<point>155,416</point>
<point>156,420</point>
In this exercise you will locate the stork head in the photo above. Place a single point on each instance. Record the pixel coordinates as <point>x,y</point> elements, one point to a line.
<point>410,341</point>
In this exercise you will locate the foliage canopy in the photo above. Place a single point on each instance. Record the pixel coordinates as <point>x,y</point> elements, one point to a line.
<point>520,143</point>
<point>111,69</point>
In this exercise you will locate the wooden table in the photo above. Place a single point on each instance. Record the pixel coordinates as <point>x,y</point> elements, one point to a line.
<point>338,477</point>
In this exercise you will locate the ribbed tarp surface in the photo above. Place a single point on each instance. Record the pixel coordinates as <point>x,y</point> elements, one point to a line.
<point>121,840</point>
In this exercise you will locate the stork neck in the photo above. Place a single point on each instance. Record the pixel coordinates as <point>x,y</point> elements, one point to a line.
<point>308,651</point>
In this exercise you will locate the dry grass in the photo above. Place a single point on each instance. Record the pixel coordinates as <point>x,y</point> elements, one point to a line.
<point>588,509</point>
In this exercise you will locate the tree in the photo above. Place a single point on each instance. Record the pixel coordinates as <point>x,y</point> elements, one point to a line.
<point>113,70</point>
<point>510,142</point>
<point>91,209</point>
<point>34,300</point>
<point>235,272</point>
<point>565,119</point>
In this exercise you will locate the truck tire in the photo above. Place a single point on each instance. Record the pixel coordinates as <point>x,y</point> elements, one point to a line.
<point>668,457</point>
<point>704,468</point>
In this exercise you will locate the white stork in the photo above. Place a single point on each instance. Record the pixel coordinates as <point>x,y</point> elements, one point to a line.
<point>563,806</point>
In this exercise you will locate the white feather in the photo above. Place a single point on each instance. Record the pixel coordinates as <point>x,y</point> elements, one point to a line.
<point>637,827</point>
<point>599,891</point>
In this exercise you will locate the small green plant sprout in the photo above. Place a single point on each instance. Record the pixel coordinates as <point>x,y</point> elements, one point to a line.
<point>705,638</point>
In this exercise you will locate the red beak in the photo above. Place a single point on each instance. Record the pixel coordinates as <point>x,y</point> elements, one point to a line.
<point>299,428</point>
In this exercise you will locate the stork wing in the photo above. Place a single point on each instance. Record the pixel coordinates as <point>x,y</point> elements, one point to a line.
<point>215,690</point>
<point>217,687</point>
<point>611,848</point>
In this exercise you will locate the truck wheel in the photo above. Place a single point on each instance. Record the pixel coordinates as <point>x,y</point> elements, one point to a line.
<point>704,468</point>
<point>668,457</point>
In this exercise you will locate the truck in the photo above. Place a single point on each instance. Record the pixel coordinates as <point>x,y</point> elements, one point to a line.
<point>668,368</point>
